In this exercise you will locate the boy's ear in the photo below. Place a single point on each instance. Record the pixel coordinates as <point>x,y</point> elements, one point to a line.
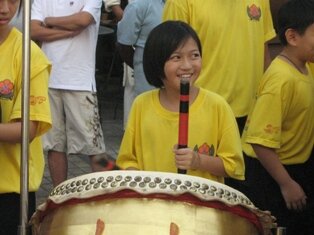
<point>292,36</point>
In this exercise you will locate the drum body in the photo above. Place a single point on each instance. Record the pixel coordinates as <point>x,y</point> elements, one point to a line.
<point>142,203</point>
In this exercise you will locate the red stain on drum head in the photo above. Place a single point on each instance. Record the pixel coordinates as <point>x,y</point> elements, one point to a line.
<point>100,227</point>
<point>174,229</point>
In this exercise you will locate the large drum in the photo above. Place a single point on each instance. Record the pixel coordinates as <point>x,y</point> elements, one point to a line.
<point>147,203</point>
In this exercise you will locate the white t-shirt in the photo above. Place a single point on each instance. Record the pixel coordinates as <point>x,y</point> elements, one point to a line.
<point>110,3</point>
<point>73,59</point>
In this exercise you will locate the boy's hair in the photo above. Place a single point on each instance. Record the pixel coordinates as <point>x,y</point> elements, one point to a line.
<point>297,15</point>
<point>162,41</point>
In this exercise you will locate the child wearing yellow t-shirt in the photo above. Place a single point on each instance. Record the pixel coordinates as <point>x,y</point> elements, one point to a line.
<point>10,119</point>
<point>173,52</point>
<point>279,134</point>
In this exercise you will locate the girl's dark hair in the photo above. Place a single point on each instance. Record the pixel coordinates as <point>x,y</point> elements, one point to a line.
<point>20,7</point>
<point>162,41</point>
<point>295,14</point>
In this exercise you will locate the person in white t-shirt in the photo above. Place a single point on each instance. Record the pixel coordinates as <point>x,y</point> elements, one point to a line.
<point>68,32</point>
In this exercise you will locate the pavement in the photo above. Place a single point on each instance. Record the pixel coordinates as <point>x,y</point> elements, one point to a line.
<point>111,114</point>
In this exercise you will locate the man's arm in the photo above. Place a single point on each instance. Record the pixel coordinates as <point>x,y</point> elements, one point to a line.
<point>117,11</point>
<point>77,21</point>
<point>126,52</point>
<point>41,33</point>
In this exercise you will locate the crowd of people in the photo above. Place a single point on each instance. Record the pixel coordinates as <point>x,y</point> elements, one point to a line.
<point>250,120</point>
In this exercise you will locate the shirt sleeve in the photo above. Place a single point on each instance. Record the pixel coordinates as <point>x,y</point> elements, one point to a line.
<point>93,7</point>
<point>110,3</point>
<point>229,148</point>
<point>126,157</point>
<point>127,153</point>
<point>37,11</point>
<point>39,109</point>
<point>268,23</point>
<point>130,25</point>
<point>264,122</point>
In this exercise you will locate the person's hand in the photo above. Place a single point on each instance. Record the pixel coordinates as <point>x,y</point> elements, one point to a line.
<point>294,195</point>
<point>46,21</point>
<point>186,158</point>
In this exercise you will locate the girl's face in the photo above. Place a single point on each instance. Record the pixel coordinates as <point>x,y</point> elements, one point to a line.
<point>7,11</point>
<point>184,63</point>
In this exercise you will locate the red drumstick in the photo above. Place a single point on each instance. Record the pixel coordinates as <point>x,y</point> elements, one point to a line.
<point>184,116</point>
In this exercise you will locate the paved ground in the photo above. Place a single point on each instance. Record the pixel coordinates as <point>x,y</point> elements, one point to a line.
<point>110,101</point>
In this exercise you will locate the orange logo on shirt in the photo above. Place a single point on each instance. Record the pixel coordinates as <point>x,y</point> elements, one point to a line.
<point>254,12</point>
<point>205,149</point>
<point>36,99</point>
<point>270,129</point>
<point>6,89</point>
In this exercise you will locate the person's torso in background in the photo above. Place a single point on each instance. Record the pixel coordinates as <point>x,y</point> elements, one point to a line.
<point>233,34</point>
<point>73,58</point>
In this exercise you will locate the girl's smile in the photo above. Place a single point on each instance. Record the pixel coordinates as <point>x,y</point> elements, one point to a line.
<point>184,63</point>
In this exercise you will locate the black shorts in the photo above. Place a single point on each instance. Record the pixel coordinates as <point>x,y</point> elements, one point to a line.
<point>265,193</point>
<point>10,212</point>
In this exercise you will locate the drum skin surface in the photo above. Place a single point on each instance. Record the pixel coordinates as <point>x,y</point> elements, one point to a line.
<point>146,203</point>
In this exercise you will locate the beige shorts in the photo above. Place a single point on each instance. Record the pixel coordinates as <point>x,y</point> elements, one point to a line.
<point>76,127</point>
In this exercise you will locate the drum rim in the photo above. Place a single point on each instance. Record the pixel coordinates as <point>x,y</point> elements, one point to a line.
<point>206,191</point>
<point>85,186</point>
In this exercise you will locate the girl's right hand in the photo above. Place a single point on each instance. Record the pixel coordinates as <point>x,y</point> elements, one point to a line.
<point>186,158</point>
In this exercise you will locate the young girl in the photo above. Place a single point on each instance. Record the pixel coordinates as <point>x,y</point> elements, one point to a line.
<point>10,122</point>
<point>173,52</point>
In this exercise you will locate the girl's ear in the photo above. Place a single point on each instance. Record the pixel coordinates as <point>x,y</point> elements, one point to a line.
<point>292,37</point>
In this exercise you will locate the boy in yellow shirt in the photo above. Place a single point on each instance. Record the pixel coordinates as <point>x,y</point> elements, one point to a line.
<point>279,134</point>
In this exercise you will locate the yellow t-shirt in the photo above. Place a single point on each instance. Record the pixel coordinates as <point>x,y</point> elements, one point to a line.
<point>152,131</point>
<point>311,66</point>
<point>283,115</point>
<point>10,102</point>
<point>233,35</point>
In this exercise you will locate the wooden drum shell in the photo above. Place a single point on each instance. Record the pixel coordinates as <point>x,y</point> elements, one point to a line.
<point>141,210</point>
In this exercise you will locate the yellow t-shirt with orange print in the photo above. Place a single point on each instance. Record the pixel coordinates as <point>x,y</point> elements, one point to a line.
<point>10,103</point>
<point>152,132</point>
<point>282,117</point>
<point>233,34</point>
<point>311,66</point>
